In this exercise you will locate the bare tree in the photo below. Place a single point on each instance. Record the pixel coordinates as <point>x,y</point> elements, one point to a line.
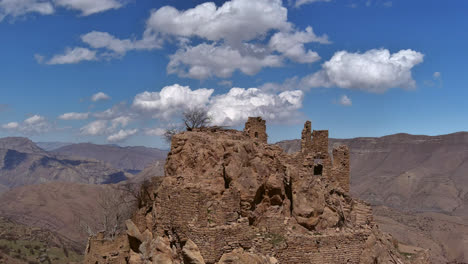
<point>196,118</point>
<point>193,118</point>
<point>169,133</point>
<point>116,203</point>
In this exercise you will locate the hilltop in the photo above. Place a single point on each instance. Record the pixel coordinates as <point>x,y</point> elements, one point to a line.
<point>229,197</point>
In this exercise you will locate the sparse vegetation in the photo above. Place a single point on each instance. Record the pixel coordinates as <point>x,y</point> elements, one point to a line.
<point>274,238</point>
<point>196,118</point>
<point>193,118</point>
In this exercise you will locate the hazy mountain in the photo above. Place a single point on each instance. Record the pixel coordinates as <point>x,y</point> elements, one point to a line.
<point>132,159</point>
<point>425,176</point>
<point>49,146</point>
<point>153,170</point>
<point>24,163</point>
<point>20,144</point>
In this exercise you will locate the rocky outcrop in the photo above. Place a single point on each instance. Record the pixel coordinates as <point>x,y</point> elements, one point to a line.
<point>229,198</point>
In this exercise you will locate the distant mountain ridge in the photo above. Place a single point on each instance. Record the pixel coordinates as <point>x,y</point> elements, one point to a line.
<point>49,146</point>
<point>23,163</point>
<point>20,144</point>
<point>130,159</point>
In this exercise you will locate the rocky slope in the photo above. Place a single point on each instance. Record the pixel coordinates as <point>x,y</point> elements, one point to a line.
<point>230,198</point>
<point>421,179</point>
<point>67,209</point>
<point>24,244</point>
<point>23,163</point>
<point>131,159</point>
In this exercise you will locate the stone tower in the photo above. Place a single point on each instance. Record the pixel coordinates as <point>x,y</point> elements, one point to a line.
<point>320,143</point>
<point>340,170</point>
<point>255,127</point>
<point>306,139</point>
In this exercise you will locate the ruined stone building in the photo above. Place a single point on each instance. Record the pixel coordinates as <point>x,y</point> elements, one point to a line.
<point>256,129</point>
<point>229,197</point>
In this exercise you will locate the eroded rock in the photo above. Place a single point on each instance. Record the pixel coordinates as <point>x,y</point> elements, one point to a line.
<point>228,197</point>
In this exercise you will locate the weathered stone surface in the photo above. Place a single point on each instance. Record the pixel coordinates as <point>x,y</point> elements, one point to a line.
<point>341,169</point>
<point>228,198</point>
<point>255,128</point>
<point>306,137</point>
<point>239,256</point>
<point>191,253</point>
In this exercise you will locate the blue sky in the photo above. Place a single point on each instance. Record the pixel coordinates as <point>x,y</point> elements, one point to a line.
<point>364,68</point>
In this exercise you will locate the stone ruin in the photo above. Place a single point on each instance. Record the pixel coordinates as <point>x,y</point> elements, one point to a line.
<point>314,148</point>
<point>256,129</point>
<point>229,197</point>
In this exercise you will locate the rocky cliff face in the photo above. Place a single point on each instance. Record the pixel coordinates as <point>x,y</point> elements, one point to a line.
<point>230,198</point>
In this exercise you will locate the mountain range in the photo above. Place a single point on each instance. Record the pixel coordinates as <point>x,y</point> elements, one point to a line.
<point>131,159</point>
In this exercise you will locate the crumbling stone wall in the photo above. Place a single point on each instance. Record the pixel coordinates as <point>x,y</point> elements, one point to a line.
<point>256,128</point>
<point>340,170</point>
<point>102,250</point>
<point>314,148</point>
<point>320,143</point>
<point>224,194</point>
<point>306,138</point>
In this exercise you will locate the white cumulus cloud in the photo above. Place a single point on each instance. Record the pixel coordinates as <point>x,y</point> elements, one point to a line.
<point>35,119</point>
<point>75,55</point>
<point>375,70</point>
<point>74,116</point>
<point>345,100</point>
<point>304,2</point>
<point>208,60</point>
<point>122,135</point>
<point>98,127</point>
<point>15,8</point>
<point>238,104</point>
<point>155,131</point>
<point>35,124</point>
<point>89,7</point>
<point>235,21</point>
<point>99,97</point>
<point>170,100</point>
<point>120,121</point>
<point>291,44</point>
<point>231,108</point>
<point>104,40</point>
<point>11,125</point>
<point>213,41</point>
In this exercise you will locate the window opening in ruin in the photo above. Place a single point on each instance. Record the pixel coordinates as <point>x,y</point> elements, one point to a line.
<point>256,134</point>
<point>318,169</point>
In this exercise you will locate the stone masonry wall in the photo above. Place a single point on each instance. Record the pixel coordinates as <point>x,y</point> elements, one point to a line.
<point>256,128</point>
<point>340,170</point>
<point>306,139</point>
<point>320,143</point>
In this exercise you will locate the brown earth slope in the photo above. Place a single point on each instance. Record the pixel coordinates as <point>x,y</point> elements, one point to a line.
<point>64,208</point>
